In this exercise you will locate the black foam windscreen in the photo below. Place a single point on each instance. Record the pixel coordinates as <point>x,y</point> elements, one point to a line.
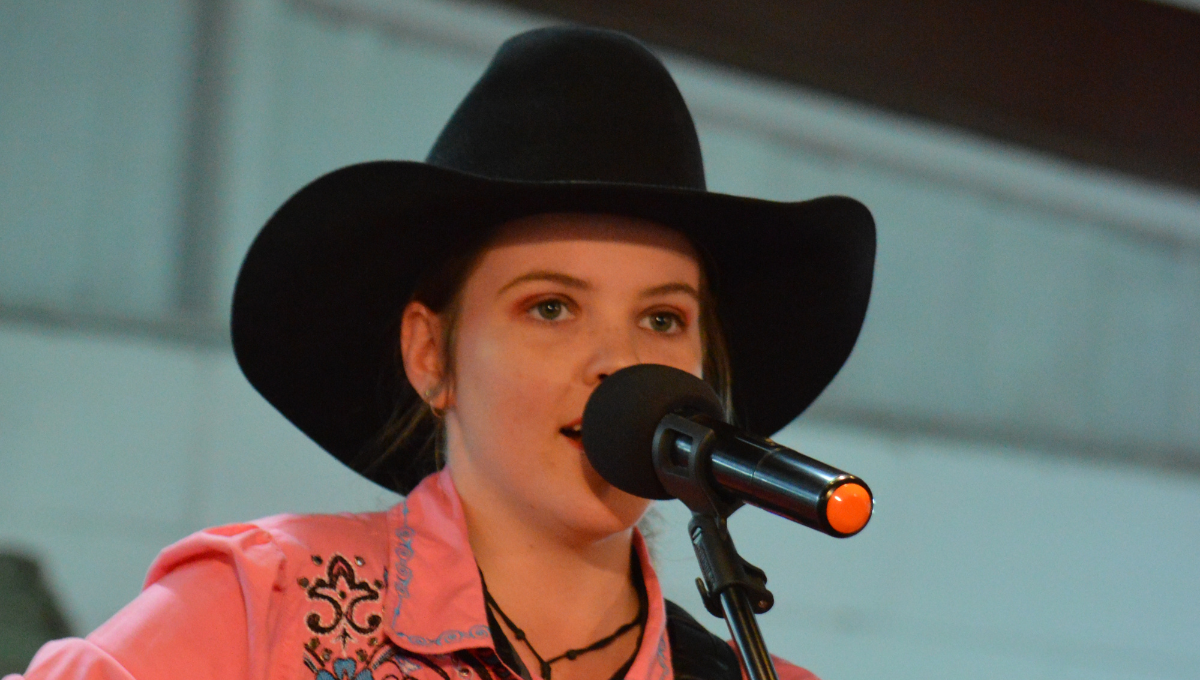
<point>622,414</point>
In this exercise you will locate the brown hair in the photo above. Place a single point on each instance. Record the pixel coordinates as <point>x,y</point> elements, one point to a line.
<point>413,420</point>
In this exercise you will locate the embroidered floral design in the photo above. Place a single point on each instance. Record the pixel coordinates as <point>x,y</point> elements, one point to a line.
<point>344,669</point>
<point>343,592</point>
<point>345,621</point>
<point>340,598</point>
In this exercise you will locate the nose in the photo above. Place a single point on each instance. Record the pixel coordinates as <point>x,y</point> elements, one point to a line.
<point>613,349</point>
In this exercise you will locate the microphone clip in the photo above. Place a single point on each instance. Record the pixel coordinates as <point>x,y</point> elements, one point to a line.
<point>681,447</point>
<point>723,568</point>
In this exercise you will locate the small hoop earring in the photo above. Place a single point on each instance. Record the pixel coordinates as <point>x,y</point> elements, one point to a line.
<point>428,395</point>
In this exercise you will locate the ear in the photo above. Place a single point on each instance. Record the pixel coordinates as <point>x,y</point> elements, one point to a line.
<point>421,349</point>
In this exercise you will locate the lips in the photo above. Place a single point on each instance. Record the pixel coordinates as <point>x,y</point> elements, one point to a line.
<point>573,431</point>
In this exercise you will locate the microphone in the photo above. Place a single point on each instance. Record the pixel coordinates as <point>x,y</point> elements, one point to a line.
<point>659,432</point>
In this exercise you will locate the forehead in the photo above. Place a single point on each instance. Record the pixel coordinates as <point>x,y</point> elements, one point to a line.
<point>613,252</point>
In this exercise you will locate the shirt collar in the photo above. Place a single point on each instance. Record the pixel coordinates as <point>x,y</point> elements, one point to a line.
<point>434,604</point>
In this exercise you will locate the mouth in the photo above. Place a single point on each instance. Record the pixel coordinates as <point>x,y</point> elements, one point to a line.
<point>574,432</point>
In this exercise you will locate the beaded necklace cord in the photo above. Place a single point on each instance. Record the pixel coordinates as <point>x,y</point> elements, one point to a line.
<point>544,665</point>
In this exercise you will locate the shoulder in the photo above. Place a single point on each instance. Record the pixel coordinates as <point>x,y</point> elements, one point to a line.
<point>266,550</point>
<point>247,590</point>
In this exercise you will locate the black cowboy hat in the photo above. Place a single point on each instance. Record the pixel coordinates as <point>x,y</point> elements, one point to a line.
<point>563,120</point>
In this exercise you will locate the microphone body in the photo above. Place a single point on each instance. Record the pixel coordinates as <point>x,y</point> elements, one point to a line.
<point>659,432</point>
<point>743,467</point>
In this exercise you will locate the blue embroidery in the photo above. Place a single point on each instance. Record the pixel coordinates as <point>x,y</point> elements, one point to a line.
<point>343,669</point>
<point>403,579</point>
<point>402,552</point>
<point>661,656</point>
<point>398,658</point>
<point>448,637</point>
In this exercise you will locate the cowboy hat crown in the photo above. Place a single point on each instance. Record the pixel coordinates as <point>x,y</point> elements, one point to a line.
<point>574,105</point>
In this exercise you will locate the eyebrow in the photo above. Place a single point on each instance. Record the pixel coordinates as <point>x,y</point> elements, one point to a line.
<point>545,275</point>
<point>667,288</point>
<point>573,282</point>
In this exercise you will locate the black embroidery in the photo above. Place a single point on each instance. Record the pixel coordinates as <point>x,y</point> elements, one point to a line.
<point>340,583</point>
<point>346,612</point>
<point>338,621</point>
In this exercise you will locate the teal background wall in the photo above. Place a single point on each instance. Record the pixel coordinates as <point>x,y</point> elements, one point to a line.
<point>1025,398</point>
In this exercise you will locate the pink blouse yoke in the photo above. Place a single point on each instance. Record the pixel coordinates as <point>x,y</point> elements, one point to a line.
<point>369,596</point>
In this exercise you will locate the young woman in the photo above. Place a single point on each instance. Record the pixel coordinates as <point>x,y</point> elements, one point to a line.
<point>439,327</point>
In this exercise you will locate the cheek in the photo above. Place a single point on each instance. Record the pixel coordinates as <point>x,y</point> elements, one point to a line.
<point>504,399</point>
<point>686,355</point>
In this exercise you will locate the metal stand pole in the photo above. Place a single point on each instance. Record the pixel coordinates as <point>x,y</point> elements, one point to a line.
<point>733,589</point>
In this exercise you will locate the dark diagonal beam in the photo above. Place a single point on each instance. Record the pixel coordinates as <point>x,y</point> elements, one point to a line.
<point>1114,83</point>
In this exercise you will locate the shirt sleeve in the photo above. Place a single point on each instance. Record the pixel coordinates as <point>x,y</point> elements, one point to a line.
<point>203,613</point>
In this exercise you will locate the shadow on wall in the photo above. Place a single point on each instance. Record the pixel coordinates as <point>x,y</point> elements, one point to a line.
<point>29,613</point>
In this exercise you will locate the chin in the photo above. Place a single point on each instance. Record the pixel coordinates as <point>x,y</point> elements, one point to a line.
<point>618,511</point>
<point>592,514</point>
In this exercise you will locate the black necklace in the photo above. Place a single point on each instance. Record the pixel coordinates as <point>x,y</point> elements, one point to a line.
<point>570,654</point>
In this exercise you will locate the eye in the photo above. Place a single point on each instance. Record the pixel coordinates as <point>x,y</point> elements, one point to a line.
<point>551,309</point>
<point>663,322</point>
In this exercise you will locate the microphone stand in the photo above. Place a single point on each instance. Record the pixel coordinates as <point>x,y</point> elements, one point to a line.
<point>731,587</point>
<point>734,589</point>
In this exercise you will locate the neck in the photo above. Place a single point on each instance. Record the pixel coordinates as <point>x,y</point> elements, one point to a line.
<point>572,574</point>
<point>583,587</point>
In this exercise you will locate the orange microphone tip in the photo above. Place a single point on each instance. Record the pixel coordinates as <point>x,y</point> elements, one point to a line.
<point>849,508</point>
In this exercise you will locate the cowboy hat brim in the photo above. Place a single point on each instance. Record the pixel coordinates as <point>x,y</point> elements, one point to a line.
<point>317,303</point>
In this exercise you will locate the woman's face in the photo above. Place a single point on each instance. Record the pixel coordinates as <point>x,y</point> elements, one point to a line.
<point>556,304</point>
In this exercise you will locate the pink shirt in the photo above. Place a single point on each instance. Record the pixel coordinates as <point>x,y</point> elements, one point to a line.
<point>322,597</point>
